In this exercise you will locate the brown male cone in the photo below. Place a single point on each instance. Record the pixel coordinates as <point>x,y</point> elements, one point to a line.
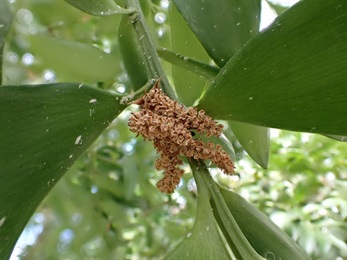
<point>168,124</point>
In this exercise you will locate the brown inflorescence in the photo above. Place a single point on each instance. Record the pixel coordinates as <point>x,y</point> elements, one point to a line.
<point>169,125</point>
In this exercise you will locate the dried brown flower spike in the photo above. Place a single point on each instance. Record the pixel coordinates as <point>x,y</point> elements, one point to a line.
<point>169,124</point>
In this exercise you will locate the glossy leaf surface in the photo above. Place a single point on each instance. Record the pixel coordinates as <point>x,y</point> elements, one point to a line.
<point>221,26</point>
<point>44,129</point>
<point>291,76</point>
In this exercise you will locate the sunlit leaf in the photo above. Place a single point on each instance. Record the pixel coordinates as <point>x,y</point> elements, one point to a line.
<point>44,129</point>
<point>221,26</point>
<point>291,76</point>
<point>99,8</point>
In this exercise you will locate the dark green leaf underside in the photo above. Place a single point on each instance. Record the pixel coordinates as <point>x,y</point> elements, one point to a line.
<point>44,129</point>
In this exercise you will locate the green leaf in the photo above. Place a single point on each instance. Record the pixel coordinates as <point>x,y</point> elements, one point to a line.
<point>254,139</point>
<point>187,85</point>
<point>233,235</point>
<point>265,237</point>
<point>291,76</point>
<point>99,8</point>
<point>44,129</point>
<point>204,241</point>
<point>74,61</point>
<point>221,26</point>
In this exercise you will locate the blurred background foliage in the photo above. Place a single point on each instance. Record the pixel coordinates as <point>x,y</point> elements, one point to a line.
<point>107,205</point>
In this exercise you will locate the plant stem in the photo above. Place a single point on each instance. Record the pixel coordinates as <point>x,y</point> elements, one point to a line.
<point>139,93</point>
<point>147,46</point>
<point>201,69</point>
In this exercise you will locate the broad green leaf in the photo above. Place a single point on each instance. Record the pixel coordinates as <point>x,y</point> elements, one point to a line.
<point>291,76</point>
<point>221,26</point>
<point>254,139</point>
<point>74,61</point>
<point>99,8</point>
<point>265,237</point>
<point>187,85</point>
<point>43,130</point>
<point>5,24</point>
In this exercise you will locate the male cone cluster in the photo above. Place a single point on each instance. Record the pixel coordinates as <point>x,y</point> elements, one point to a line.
<point>169,124</point>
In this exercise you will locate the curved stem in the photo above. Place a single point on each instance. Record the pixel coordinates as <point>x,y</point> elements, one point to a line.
<point>147,47</point>
<point>201,69</point>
